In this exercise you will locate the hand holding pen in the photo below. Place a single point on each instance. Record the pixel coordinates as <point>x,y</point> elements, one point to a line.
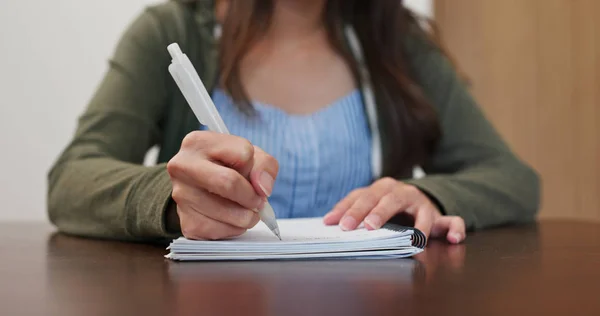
<point>220,182</point>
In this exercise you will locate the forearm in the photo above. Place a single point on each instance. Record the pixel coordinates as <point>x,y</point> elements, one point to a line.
<point>106,198</point>
<point>497,192</point>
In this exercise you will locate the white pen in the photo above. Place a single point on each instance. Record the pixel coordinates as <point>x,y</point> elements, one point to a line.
<point>195,93</point>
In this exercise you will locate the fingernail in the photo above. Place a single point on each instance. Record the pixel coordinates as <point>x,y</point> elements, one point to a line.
<point>348,223</point>
<point>374,221</point>
<point>265,182</point>
<point>455,238</point>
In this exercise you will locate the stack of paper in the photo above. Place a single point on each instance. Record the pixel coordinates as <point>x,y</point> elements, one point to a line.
<point>304,239</point>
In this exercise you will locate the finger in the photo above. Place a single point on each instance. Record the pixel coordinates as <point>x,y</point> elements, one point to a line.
<point>214,206</point>
<point>367,204</point>
<point>217,179</point>
<point>389,205</point>
<point>399,198</point>
<point>334,216</point>
<point>263,172</point>
<point>451,227</point>
<point>424,217</point>
<point>197,226</point>
<point>363,206</point>
<point>228,150</point>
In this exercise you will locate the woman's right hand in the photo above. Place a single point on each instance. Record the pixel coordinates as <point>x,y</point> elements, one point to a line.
<point>219,183</point>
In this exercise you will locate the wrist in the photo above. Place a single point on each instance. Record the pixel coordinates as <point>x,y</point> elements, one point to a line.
<point>434,201</point>
<point>172,223</point>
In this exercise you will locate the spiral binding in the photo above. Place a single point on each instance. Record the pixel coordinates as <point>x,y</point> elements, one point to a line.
<point>418,238</point>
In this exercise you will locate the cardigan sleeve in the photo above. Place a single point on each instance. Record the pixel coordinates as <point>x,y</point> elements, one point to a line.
<point>473,172</point>
<point>99,186</point>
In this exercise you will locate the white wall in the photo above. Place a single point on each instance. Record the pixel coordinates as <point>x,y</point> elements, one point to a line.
<point>52,56</point>
<point>422,7</point>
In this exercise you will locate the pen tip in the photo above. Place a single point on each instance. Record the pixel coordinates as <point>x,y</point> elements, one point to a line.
<point>276,232</point>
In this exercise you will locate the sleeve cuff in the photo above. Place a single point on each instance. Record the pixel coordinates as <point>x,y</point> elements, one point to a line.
<point>149,204</point>
<point>438,191</point>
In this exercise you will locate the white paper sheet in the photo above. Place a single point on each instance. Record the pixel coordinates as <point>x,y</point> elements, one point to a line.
<point>301,239</point>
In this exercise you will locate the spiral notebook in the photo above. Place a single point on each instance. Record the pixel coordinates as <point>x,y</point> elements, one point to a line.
<point>305,238</point>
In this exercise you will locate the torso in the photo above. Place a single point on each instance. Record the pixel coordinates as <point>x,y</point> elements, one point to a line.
<point>309,115</point>
<point>299,77</point>
<point>322,156</point>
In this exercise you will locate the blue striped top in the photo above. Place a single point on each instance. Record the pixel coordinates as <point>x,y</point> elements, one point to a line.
<point>322,156</point>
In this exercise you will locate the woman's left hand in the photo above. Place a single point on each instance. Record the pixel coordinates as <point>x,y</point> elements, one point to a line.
<point>384,199</point>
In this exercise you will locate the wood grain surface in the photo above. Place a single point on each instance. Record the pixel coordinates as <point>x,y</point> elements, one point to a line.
<point>535,70</point>
<point>545,269</point>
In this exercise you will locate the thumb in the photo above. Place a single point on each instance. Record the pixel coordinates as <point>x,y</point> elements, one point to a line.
<point>264,172</point>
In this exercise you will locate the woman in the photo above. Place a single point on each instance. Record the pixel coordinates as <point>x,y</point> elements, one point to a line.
<point>331,103</point>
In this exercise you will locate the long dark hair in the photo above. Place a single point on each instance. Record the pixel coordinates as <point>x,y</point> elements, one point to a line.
<point>381,26</point>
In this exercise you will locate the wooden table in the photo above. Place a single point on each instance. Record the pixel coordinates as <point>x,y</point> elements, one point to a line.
<point>552,268</point>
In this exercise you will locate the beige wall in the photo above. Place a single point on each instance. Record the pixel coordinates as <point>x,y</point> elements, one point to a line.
<point>535,67</point>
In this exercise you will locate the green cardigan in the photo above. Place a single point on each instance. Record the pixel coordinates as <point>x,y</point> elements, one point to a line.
<point>100,188</point>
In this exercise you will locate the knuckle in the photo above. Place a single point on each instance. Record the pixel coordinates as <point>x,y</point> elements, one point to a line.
<point>174,167</point>
<point>412,190</point>
<point>177,193</point>
<point>226,180</point>
<point>242,152</point>
<point>388,182</point>
<point>194,139</point>
<point>246,150</point>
